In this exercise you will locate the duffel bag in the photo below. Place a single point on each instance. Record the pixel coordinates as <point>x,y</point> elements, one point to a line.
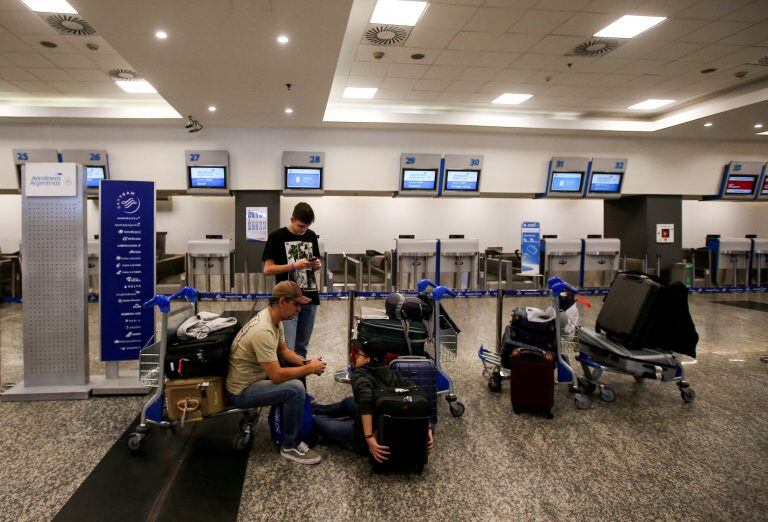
<point>418,308</point>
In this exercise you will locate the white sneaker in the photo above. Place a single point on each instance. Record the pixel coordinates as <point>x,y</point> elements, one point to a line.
<point>302,454</point>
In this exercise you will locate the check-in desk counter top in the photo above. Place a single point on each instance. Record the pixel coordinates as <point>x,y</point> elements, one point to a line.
<point>209,264</point>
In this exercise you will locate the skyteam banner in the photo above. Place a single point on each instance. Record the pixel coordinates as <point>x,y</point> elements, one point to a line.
<point>127,267</point>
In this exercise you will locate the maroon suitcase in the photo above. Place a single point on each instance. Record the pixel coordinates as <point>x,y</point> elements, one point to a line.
<point>532,380</point>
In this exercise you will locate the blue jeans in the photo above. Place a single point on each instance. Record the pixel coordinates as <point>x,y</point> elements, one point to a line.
<point>264,393</point>
<point>299,329</point>
<point>336,422</point>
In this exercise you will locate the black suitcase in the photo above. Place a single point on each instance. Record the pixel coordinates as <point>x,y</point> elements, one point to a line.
<point>422,372</point>
<point>628,308</point>
<point>532,380</point>
<point>402,421</point>
<point>200,357</point>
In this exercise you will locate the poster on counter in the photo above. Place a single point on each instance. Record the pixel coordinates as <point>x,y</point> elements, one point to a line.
<point>126,267</point>
<point>530,247</point>
<point>256,223</point>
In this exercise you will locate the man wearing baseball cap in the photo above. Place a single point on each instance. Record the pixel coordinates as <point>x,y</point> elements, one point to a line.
<point>256,377</point>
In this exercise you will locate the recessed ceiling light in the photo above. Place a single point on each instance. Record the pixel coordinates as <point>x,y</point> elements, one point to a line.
<point>650,104</point>
<point>509,98</point>
<point>629,26</point>
<point>765,133</point>
<point>136,86</point>
<point>212,108</point>
<point>708,124</point>
<point>50,6</point>
<point>363,93</point>
<point>288,110</point>
<point>398,12</point>
<point>282,39</point>
<point>161,35</point>
<point>758,125</point>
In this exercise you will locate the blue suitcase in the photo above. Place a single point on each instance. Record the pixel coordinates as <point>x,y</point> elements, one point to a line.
<point>422,372</point>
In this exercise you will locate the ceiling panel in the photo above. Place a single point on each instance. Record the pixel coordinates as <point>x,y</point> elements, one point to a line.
<point>712,52</point>
<point>614,7</point>
<point>493,59</point>
<point>672,29</point>
<point>13,44</point>
<point>752,36</point>
<point>107,62</point>
<point>444,16</point>
<point>472,41</point>
<point>398,84</point>
<point>453,97</point>
<point>480,73</point>
<point>513,75</point>
<point>679,68</point>
<point>459,2</point>
<point>81,44</point>
<point>714,31</point>
<point>574,78</point>
<point>444,72</point>
<point>406,70</point>
<point>561,5</point>
<point>493,20</point>
<point>584,24</point>
<point>533,61</point>
<point>369,69</point>
<point>431,85</point>
<point>636,48</point>
<point>642,66</point>
<point>25,22</point>
<point>713,9</point>
<point>33,44</point>
<point>405,53</point>
<point>386,94</point>
<point>754,12</point>
<point>605,65</point>
<point>745,55</point>
<point>514,43</point>
<point>74,61</point>
<point>35,86</point>
<point>429,38</point>
<point>422,96</point>
<point>28,60</point>
<point>89,75</point>
<point>363,81</point>
<point>675,50</point>
<point>511,4</point>
<point>663,7</point>
<point>365,54</point>
<point>465,86</point>
<point>51,74</point>
<point>16,73</point>
<point>452,57</point>
<point>540,22</point>
<point>557,45</point>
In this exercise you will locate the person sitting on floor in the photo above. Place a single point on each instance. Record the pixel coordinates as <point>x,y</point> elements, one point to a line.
<point>349,423</point>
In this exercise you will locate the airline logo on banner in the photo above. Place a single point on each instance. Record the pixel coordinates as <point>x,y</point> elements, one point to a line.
<point>50,179</point>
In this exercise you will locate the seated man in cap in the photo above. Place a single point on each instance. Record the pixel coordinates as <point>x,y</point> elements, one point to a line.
<point>256,377</point>
<point>349,423</point>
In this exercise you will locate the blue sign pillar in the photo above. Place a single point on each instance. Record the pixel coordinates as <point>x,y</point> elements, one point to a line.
<point>127,267</point>
<point>530,247</point>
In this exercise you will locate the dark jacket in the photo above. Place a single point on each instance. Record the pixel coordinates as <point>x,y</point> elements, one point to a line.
<point>366,379</point>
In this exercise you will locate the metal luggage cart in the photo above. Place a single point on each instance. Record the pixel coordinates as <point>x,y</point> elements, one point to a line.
<point>152,375</point>
<point>495,372</point>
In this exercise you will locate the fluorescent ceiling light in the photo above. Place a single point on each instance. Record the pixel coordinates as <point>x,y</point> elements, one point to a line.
<point>708,124</point>
<point>509,98</point>
<point>161,35</point>
<point>629,26</point>
<point>136,86</point>
<point>398,12</point>
<point>50,6</point>
<point>363,93</point>
<point>650,104</point>
<point>762,133</point>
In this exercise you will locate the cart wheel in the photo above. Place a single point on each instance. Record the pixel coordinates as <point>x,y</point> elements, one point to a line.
<point>639,380</point>
<point>457,409</point>
<point>581,401</point>
<point>586,386</point>
<point>242,442</point>
<point>517,409</point>
<point>687,394</point>
<point>607,394</point>
<point>135,441</point>
<point>494,385</point>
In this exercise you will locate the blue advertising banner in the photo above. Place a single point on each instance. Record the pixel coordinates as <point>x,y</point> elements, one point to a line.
<point>127,267</point>
<point>530,247</point>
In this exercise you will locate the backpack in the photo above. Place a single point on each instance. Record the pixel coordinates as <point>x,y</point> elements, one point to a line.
<point>417,308</point>
<point>307,431</point>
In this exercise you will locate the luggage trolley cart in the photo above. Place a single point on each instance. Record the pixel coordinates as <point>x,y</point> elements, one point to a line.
<point>152,375</point>
<point>445,343</point>
<point>495,372</point>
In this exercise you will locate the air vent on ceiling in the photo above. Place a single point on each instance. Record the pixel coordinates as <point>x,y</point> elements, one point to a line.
<point>594,47</point>
<point>123,74</point>
<point>70,25</point>
<point>391,35</point>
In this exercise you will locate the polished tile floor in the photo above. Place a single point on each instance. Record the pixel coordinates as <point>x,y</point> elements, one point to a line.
<point>648,455</point>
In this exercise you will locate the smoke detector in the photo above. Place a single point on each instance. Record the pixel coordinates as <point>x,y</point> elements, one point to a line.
<point>70,25</point>
<point>123,74</point>
<point>385,34</point>
<point>595,47</point>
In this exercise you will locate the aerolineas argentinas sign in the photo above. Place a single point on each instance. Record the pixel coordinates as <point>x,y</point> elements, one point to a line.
<point>50,179</point>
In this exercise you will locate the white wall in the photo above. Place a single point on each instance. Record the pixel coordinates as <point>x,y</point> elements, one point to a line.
<point>362,159</point>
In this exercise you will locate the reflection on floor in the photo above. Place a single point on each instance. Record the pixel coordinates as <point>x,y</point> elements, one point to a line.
<point>647,455</point>
<point>750,305</point>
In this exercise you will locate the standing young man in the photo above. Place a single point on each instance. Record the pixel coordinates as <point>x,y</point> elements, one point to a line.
<point>292,254</point>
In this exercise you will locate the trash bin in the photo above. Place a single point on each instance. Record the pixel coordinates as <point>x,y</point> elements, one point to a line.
<point>682,272</point>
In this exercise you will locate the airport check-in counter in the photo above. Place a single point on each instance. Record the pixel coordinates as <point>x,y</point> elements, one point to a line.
<point>759,263</point>
<point>209,264</point>
<point>601,262</point>
<point>730,260</point>
<point>415,260</point>
<point>376,267</point>
<point>10,275</point>
<point>344,272</point>
<point>94,248</point>
<point>459,259</point>
<point>562,258</point>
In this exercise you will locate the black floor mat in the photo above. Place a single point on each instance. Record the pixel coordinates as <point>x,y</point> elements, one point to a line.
<point>751,305</point>
<point>194,474</point>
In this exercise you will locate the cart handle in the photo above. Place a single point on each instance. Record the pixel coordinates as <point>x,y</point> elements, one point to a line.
<point>424,284</point>
<point>559,286</point>
<point>439,291</point>
<point>162,302</point>
<point>189,293</point>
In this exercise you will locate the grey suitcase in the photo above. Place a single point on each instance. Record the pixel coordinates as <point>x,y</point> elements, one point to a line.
<point>627,308</point>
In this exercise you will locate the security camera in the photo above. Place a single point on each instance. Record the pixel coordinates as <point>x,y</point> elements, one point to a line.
<point>190,122</point>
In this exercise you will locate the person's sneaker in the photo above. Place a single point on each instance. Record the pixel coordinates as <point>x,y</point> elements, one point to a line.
<point>302,454</point>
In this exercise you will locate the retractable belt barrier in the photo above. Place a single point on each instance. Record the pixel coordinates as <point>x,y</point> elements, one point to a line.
<point>459,293</point>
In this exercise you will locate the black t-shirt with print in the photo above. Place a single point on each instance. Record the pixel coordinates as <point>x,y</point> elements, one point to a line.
<point>284,247</point>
